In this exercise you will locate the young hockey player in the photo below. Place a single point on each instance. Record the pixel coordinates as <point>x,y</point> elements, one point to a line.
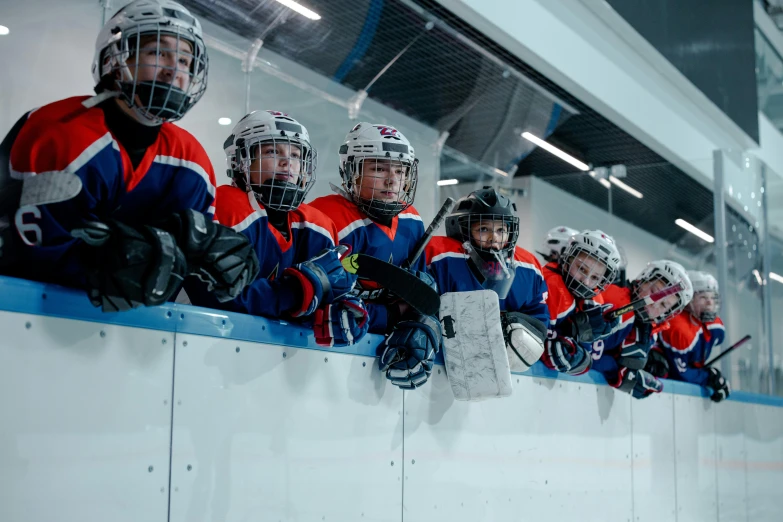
<point>480,253</point>
<point>273,164</point>
<point>621,356</point>
<point>556,242</point>
<point>374,214</point>
<point>110,195</point>
<point>691,338</point>
<point>587,265</point>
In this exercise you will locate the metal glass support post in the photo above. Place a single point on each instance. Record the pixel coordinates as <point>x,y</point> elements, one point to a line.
<point>247,68</point>
<point>106,11</point>
<point>766,258</point>
<point>721,256</point>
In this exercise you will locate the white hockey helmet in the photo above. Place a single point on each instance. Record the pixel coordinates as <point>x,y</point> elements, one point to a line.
<point>279,175</point>
<point>589,263</point>
<point>156,99</point>
<point>705,284</point>
<point>657,276</point>
<point>382,145</point>
<point>556,242</point>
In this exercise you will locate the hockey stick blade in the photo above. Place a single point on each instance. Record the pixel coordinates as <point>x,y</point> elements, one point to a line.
<point>727,351</point>
<point>402,283</point>
<point>644,301</point>
<point>437,221</point>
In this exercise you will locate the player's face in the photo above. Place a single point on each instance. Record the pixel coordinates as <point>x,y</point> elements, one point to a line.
<point>167,61</point>
<point>277,161</point>
<point>381,179</point>
<point>661,307</point>
<point>489,234</point>
<point>587,270</point>
<point>704,302</point>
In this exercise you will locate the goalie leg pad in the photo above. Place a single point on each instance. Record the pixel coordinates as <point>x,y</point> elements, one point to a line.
<point>477,364</point>
<point>135,267</point>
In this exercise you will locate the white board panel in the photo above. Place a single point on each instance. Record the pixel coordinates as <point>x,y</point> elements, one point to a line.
<point>730,464</point>
<point>764,466</point>
<point>694,431</point>
<point>553,450</point>
<point>264,432</point>
<point>85,422</point>
<point>653,458</point>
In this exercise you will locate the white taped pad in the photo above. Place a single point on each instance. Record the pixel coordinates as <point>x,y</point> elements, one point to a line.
<point>50,187</point>
<point>524,348</point>
<point>474,349</point>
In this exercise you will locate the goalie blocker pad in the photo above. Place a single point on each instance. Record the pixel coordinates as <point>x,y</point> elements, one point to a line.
<point>474,349</point>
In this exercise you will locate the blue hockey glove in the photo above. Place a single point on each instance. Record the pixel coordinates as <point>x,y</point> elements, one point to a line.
<point>409,351</point>
<point>638,383</point>
<point>323,279</point>
<point>590,324</point>
<point>636,346</point>
<point>565,356</point>
<point>341,323</point>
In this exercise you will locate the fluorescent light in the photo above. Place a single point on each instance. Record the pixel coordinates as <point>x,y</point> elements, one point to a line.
<point>554,150</point>
<point>442,182</point>
<point>776,277</point>
<point>4,30</point>
<point>224,121</point>
<point>302,10</point>
<point>757,275</point>
<point>602,181</point>
<point>632,191</point>
<point>693,230</point>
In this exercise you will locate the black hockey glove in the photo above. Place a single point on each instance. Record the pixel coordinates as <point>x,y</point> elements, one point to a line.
<point>657,365</point>
<point>221,257</point>
<point>131,267</point>
<point>720,386</point>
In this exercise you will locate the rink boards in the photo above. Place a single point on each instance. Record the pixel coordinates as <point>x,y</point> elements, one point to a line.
<point>186,414</point>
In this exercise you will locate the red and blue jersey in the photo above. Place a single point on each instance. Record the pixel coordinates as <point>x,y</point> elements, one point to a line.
<point>688,344</point>
<point>309,232</point>
<point>393,243</point>
<point>447,262</point>
<point>175,174</point>
<point>606,351</point>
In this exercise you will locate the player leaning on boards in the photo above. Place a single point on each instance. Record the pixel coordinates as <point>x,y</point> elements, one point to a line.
<point>374,214</point>
<point>576,312</point>
<point>115,198</point>
<point>691,338</point>
<point>480,253</point>
<point>273,166</point>
<point>621,356</point>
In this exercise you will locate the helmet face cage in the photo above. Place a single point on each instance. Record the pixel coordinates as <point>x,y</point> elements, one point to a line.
<point>381,187</point>
<point>279,170</point>
<point>159,69</point>
<point>488,226</point>
<point>580,266</point>
<point>656,280</point>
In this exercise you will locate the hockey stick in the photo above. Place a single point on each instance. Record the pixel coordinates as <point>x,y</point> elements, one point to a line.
<point>727,351</point>
<point>402,283</point>
<point>437,221</point>
<point>644,301</point>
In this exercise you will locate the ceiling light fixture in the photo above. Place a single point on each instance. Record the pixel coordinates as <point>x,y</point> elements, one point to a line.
<point>693,230</point>
<point>757,275</point>
<point>4,30</point>
<point>632,191</point>
<point>602,181</point>
<point>776,277</point>
<point>442,182</point>
<point>224,121</point>
<point>302,10</point>
<point>554,150</point>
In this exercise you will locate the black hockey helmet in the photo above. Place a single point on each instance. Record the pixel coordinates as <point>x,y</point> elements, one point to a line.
<point>485,205</point>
